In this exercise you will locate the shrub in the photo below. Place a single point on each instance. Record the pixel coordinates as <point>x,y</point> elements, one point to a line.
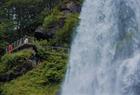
<point>41,52</point>
<point>55,69</point>
<point>52,19</point>
<point>63,35</point>
<point>43,80</point>
<point>11,60</point>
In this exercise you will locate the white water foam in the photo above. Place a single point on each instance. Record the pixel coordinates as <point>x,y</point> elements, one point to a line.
<point>105,58</point>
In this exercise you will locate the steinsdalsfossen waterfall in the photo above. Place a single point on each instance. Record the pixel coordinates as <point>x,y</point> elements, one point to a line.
<point>105,53</point>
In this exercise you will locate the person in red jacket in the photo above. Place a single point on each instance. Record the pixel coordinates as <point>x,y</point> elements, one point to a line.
<point>10,48</point>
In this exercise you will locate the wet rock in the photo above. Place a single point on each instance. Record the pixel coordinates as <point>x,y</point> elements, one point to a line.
<point>40,33</point>
<point>58,92</point>
<point>71,7</point>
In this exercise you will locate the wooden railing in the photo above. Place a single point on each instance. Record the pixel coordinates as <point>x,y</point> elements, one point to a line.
<point>30,40</point>
<point>61,50</point>
<point>20,42</point>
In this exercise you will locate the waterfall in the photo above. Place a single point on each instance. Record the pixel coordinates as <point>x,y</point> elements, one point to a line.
<point>105,53</point>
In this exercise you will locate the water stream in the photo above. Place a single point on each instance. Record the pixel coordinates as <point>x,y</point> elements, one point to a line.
<point>105,54</point>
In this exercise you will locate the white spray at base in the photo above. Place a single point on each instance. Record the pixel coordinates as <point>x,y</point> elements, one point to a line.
<point>105,54</point>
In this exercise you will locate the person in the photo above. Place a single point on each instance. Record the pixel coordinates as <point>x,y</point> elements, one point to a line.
<point>10,48</point>
<point>26,40</point>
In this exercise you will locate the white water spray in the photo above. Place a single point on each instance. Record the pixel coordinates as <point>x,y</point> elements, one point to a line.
<point>105,54</point>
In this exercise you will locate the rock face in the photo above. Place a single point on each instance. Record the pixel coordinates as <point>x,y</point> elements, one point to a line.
<point>66,8</point>
<point>58,93</point>
<point>71,7</point>
<point>40,33</point>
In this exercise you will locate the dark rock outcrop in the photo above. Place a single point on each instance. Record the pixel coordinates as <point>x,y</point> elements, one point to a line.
<point>66,8</point>
<point>71,7</point>
<point>58,92</point>
<point>40,33</point>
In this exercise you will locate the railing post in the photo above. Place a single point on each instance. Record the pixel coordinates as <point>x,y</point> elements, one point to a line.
<point>6,50</point>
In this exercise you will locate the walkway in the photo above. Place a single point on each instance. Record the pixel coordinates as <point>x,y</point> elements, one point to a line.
<point>26,42</point>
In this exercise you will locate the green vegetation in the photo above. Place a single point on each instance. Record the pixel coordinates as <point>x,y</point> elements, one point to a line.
<point>43,80</point>
<point>41,52</point>
<point>63,33</point>
<point>6,33</point>
<point>53,18</point>
<point>21,17</point>
<point>63,36</point>
<point>9,61</point>
<point>18,74</point>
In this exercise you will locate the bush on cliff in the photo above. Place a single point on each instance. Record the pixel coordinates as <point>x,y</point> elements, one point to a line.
<point>8,61</point>
<point>43,80</point>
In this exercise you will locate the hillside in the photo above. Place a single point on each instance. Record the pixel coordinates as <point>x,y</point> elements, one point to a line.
<point>50,23</point>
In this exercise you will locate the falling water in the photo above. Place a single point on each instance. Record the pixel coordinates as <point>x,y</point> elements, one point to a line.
<point>105,54</point>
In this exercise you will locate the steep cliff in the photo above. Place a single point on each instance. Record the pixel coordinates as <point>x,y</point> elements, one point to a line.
<point>52,25</point>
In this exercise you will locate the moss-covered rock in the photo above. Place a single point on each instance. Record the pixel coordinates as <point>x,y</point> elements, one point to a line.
<point>61,23</point>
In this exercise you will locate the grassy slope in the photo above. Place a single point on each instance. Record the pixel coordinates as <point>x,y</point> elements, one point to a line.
<point>42,80</point>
